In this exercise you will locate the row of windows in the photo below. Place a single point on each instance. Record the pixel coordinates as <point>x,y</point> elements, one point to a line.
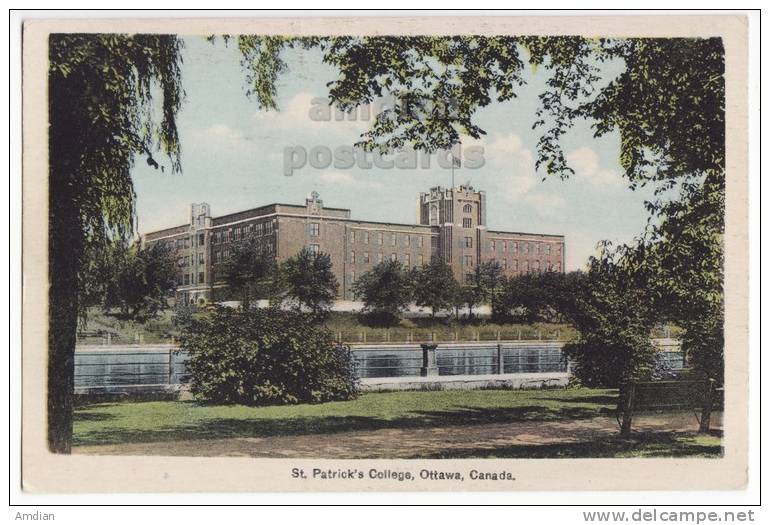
<point>187,278</point>
<point>514,266</point>
<point>224,254</point>
<point>406,258</point>
<point>241,232</point>
<point>536,248</point>
<point>407,240</point>
<point>186,260</point>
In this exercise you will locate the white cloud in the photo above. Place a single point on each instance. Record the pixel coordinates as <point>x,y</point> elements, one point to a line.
<point>299,112</point>
<point>513,165</point>
<point>220,137</point>
<point>585,162</point>
<point>345,178</point>
<point>223,132</point>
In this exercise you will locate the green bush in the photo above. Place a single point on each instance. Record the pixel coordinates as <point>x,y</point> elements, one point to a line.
<point>600,363</point>
<point>266,356</point>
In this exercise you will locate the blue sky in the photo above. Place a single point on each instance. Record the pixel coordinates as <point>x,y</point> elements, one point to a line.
<point>232,158</point>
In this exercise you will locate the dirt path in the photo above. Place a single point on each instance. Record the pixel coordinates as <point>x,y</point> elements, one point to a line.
<point>446,441</point>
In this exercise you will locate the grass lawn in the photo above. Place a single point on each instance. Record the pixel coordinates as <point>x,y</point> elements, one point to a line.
<point>405,412</point>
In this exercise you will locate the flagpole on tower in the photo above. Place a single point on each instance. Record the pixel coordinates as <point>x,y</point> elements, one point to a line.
<point>455,163</point>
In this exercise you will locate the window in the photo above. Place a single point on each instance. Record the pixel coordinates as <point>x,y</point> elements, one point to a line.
<point>201,279</point>
<point>268,227</point>
<point>180,280</point>
<point>201,259</point>
<point>537,248</point>
<point>366,237</point>
<point>407,240</point>
<point>548,249</point>
<point>558,267</point>
<point>314,249</point>
<point>420,260</point>
<point>392,239</point>
<point>505,246</point>
<point>515,247</point>
<point>492,246</point>
<point>201,239</point>
<point>419,241</point>
<point>314,229</point>
<point>393,257</point>
<point>516,265</point>
<point>558,249</point>
<point>260,228</point>
<point>380,238</point>
<point>353,257</point>
<point>468,261</point>
<point>352,237</point>
<point>469,242</point>
<point>467,223</point>
<point>524,247</point>
<point>187,260</point>
<point>187,278</point>
<point>365,258</point>
<point>237,233</point>
<point>526,266</point>
<point>537,266</point>
<point>467,208</point>
<point>407,260</point>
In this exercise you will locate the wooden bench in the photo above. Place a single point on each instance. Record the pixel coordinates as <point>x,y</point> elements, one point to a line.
<point>653,396</point>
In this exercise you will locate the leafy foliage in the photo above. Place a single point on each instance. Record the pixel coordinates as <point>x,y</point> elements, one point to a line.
<point>249,272</point>
<point>266,356</point>
<point>309,279</point>
<point>434,286</point>
<point>481,284</point>
<point>614,319</point>
<point>528,297</point>
<point>385,289</point>
<point>141,280</point>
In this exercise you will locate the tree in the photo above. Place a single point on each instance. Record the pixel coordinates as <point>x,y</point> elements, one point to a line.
<point>309,279</point>
<point>434,285</point>
<point>529,297</point>
<point>100,105</point>
<point>614,319</point>
<point>266,356</point>
<point>482,284</point>
<point>249,272</point>
<point>142,280</point>
<point>385,290</point>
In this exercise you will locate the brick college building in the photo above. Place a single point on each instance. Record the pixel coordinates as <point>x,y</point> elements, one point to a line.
<point>452,224</point>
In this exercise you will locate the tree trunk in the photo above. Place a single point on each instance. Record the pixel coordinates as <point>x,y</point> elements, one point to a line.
<point>66,247</point>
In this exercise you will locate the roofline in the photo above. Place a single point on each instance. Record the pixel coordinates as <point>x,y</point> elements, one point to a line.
<point>527,233</point>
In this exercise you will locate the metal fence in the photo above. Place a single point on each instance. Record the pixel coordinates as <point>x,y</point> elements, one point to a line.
<point>116,367</point>
<point>460,359</point>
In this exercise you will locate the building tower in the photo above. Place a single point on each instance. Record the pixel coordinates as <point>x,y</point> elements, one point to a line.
<point>460,215</point>
<point>200,266</point>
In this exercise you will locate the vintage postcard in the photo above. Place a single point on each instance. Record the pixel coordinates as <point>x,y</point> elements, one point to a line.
<point>498,253</point>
